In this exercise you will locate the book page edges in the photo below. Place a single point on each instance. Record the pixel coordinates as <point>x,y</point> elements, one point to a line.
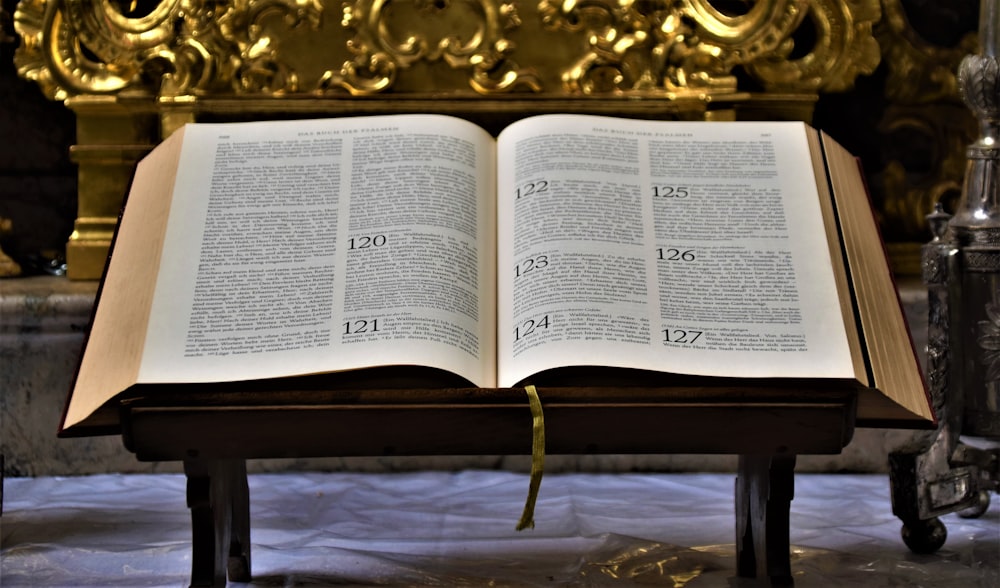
<point>837,259</point>
<point>893,362</point>
<point>113,350</point>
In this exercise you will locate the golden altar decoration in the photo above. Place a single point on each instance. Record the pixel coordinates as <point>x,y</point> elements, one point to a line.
<point>133,71</point>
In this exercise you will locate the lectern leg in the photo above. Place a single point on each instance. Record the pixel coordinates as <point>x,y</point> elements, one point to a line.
<point>219,499</point>
<point>764,491</point>
<point>239,547</point>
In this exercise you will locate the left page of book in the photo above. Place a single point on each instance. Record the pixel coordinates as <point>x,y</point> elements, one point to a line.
<point>300,247</point>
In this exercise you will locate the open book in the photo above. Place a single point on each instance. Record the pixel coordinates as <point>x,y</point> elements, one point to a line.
<point>260,250</point>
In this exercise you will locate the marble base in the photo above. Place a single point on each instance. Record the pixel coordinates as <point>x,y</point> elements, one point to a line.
<point>42,324</point>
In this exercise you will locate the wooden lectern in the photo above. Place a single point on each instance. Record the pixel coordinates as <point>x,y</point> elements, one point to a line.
<point>215,434</point>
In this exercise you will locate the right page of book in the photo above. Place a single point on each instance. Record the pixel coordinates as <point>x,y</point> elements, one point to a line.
<point>683,247</point>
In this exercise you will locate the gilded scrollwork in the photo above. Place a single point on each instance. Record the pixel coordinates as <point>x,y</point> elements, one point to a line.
<point>636,46</point>
<point>52,53</point>
<point>157,64</point>
<point>164,47</point>
<point>921,88</point>
<point>842,48</point>
<point>693,47</point>
<point>260,67</point>
<point>664,48</point>
<point>385,43</point>
<point>917,69</point>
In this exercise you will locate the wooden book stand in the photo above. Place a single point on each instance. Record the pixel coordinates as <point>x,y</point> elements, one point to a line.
<point>214,434</point>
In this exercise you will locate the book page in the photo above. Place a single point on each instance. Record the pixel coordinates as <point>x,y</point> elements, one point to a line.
<point>123,303</point>
<point>299,247</point>
<point>694,248</point>
<point>894,365</point>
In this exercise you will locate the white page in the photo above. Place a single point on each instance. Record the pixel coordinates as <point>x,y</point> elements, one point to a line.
<point>295,214</point>
<point>624,243</point>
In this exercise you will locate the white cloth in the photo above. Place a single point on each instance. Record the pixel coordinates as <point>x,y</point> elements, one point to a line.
<point>457,528</point>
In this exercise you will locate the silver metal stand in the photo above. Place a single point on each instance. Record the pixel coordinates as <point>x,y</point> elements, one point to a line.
<point>947,471</point>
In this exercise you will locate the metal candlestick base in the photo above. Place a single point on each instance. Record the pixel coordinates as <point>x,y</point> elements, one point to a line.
<point>944,472</point>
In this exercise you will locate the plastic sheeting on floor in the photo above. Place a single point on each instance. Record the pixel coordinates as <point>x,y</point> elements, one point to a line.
<point>457,528</point>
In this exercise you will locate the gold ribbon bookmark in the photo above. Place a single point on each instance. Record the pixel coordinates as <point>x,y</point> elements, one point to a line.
<point>537,458</point>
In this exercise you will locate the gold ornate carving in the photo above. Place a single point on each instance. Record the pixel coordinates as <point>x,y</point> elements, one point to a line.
<point>8,267</point>
<point>842,48</point>
<point>918,71</point>
<point>924,108</point>
<point>660,48</point>
<point>135,70</point>
<point>261,69</point>
<point>693,47</point>
<point>639,47</point>
<point>465,34</point>
<point>177,47</point>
